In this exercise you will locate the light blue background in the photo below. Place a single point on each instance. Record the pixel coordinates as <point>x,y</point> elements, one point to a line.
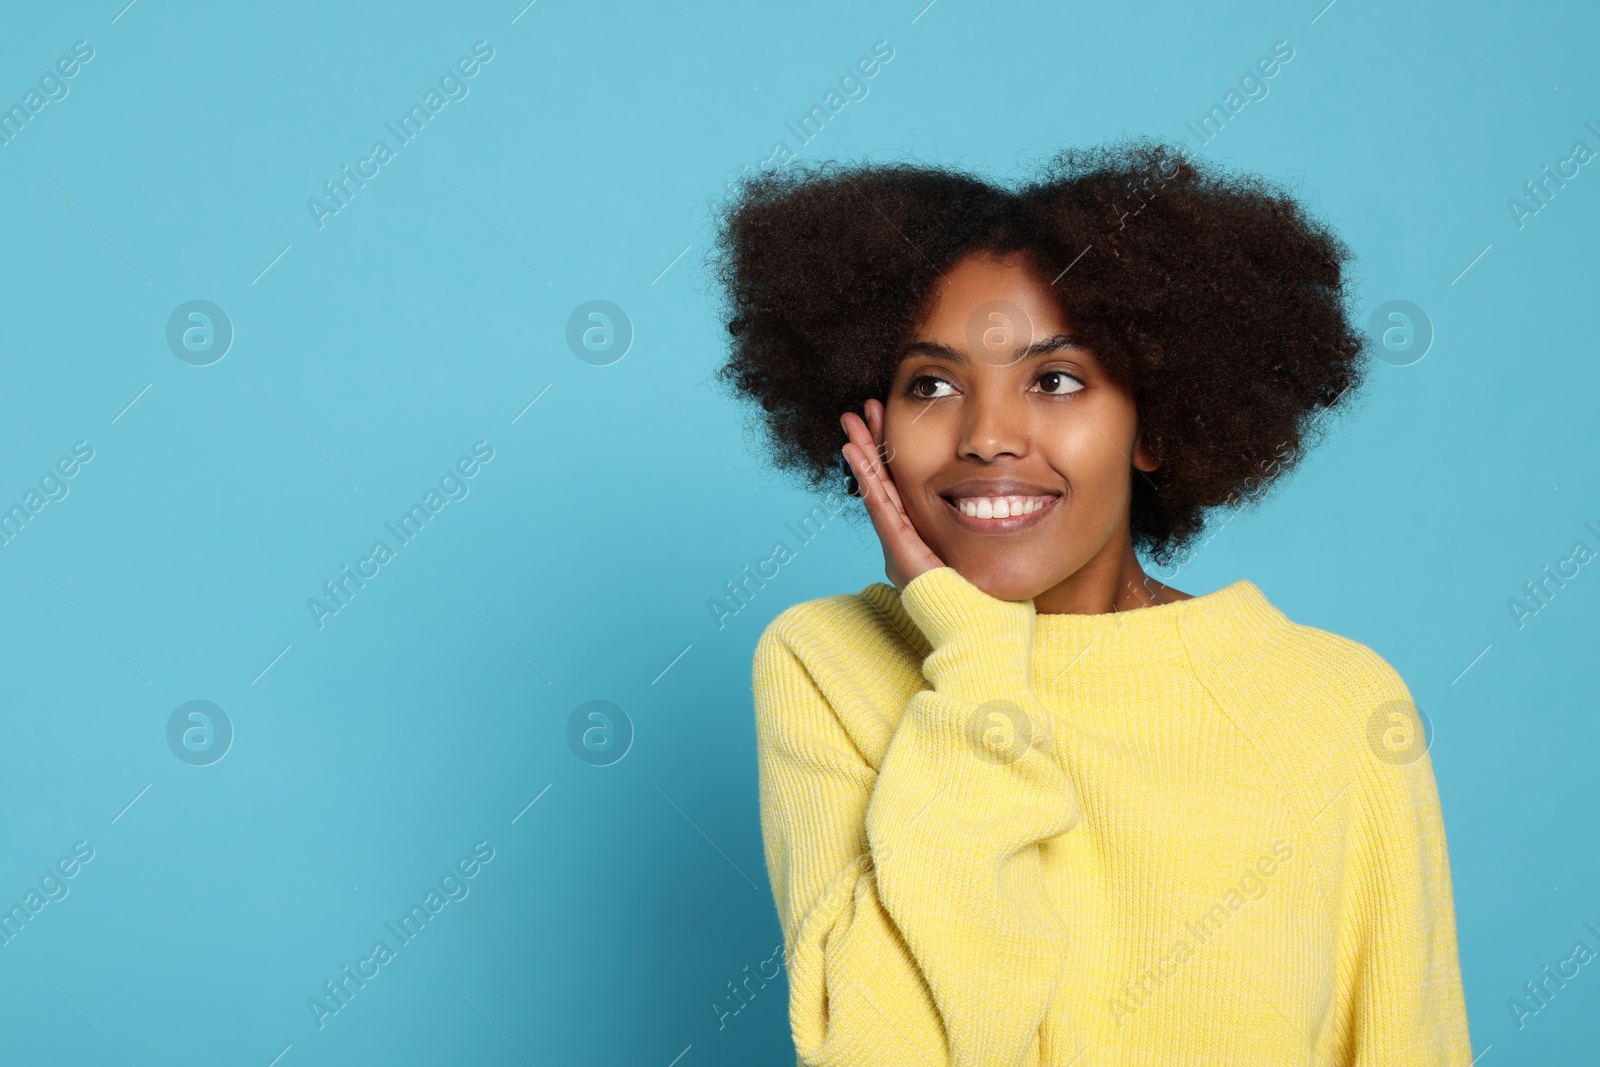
<point>428,313</point>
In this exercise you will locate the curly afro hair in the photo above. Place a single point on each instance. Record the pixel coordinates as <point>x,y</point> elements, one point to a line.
<point>1215,298</point>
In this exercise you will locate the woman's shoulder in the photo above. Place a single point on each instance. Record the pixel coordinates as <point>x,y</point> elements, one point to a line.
<point>858,648</point>
<point>1322,660</point>
<point>863,626</point>
<point>1354,740</point>
<point>1316,701</point>
<point>1361,705</point>
<point>846,662</point>
<point>1341,665</point>
<point>1333,718</point>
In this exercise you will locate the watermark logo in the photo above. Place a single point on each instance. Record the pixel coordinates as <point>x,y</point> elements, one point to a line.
<point>599,332</point>
<point>599,733</point>
<point>996,329</point>
<point>999,731</point>
<point>1540,993</point>
<point>199,332</point>
<point>199,733</point>
<point>1399,732</point>
<point>1402,332</point>
<point>853,85</point>
<point>743,993</point>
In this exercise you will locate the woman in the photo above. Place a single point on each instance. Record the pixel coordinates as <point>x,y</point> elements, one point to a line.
<point>1026,805</point>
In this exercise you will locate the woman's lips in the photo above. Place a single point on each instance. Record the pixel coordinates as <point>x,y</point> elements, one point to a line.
<point>1009,524</point>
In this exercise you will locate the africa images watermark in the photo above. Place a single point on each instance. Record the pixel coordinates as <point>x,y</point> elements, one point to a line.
<point>52,88</point>
<point>452,86</point>
<point>724,1009</point>
<point>52,887</point>
<point>1542,190</point>
<point>1253,86</point>
<point>1251,886</point>
<point>853,86</point>
<point>452,485</point>
<point>1251,491</point>
<point>1539,593</point>
<point>52,487</point>
<point>723,1012</point>
<point>1539,993</point>
<point>453,886</point>
<point>739,595</point>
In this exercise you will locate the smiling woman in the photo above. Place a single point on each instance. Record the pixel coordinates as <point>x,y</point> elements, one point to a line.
<point>1029,438</point>
<point>1006,796</point>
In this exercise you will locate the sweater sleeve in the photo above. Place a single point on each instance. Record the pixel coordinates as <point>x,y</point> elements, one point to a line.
<point>912,895</point>
<point>1398,958</point>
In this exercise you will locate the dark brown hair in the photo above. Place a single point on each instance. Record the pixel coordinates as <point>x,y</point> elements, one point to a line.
<point>1215,297</point>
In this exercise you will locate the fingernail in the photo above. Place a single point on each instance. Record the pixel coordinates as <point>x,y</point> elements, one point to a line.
<point>842,425</point>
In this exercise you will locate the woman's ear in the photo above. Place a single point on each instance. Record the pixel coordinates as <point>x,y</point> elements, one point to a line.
<point>1144,457</point>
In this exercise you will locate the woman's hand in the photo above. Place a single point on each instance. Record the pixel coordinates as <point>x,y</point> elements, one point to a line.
<point>905,555</point>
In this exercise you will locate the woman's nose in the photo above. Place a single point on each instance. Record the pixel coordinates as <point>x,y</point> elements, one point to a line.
<point>995,424</point>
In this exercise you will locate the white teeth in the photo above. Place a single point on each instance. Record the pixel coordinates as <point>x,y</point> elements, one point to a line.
<point>1000,507</point>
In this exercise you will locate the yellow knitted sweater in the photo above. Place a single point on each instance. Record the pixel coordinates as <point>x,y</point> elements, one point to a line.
<point>1194,833</point>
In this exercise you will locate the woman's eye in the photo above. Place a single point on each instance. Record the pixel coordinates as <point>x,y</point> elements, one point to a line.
<point>1059,383</point>
<point>921,385</point>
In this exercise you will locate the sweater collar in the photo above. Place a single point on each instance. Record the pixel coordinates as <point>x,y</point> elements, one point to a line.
<point>1214,625</point>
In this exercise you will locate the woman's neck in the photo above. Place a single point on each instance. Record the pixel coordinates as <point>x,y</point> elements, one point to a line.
<point>1111,581</point>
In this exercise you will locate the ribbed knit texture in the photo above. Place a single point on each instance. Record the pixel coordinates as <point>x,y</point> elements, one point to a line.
<point>1202,857</point>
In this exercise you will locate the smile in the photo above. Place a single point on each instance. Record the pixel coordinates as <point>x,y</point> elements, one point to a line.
<point>999,514</point>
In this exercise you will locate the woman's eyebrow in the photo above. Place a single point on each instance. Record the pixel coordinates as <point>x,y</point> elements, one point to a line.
<point>1053,343</point>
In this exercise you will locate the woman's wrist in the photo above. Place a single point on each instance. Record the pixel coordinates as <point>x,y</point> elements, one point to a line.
<point>982,646</point>
<point>943,603</point>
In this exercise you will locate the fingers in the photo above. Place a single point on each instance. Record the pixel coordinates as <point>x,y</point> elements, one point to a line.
<point>905,553</point>
<point>867,437</point>
<point>891,490</point>
<point>874,420</point>
<point>880,506</point>
<point>873,410</point>
<point>902,545</point>
<point>859,433</point>
<point>875,479</point>
<point>887,519</point>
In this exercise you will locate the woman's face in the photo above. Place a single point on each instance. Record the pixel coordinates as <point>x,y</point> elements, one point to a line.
<point>996,400</point>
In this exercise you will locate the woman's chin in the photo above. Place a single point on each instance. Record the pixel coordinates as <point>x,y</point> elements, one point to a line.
<point>1004,580</point>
